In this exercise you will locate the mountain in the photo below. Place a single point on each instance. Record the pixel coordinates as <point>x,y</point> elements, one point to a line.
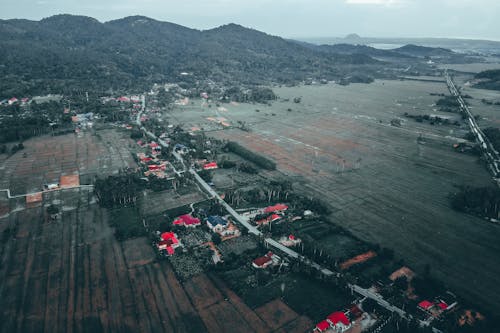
<point>423,51</point>
<point>65,53</point>
<point>363,49</point>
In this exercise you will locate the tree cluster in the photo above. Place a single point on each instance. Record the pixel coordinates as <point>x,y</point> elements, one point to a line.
<point>249,155</point>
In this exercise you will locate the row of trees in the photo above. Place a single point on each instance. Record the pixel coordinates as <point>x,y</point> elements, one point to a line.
<point>258,159</point>
<point>481,201</point>
<point>121,190</point>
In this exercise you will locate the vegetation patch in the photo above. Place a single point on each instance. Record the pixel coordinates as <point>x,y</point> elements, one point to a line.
<point>259,160</point>
<point>127,223</point>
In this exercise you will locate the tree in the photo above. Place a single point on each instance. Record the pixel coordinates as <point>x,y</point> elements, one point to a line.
<point>369,305</point>
<point>401,283</point>
<point>216,238</point>
<point>52,210</point>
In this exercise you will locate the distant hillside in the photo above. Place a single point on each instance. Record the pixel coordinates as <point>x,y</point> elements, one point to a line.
<point>64,53</point>
<point>423,51</point>
<point>363,49</point>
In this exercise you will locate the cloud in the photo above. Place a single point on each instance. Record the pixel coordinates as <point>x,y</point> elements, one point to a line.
<point>375,2</point>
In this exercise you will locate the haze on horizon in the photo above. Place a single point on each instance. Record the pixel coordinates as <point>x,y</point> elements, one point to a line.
<point>477,19</point>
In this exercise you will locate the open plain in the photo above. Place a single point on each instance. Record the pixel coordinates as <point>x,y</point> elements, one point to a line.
<point>387,184</point>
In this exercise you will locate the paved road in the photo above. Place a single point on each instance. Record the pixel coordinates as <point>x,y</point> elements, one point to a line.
<point>57,189</point>
<point>487,148</point>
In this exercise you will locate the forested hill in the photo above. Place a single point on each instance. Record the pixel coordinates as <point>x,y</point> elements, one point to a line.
<point>64,52</point>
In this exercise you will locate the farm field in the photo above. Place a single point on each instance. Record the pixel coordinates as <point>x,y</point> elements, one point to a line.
<point>72,275</point>
<point>385,184</point>
<point>45,159</point>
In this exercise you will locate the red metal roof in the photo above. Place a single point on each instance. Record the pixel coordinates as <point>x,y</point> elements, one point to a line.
<point>211,165</point>
<point>442,305</point>
<point>338,317</point>
<point>275,208</point>
<point>167,235</point>
<point>262,261</point>
<point>187,219</point>
<point>323,326</point>
<point>170,250</point>
<point>425,304</point>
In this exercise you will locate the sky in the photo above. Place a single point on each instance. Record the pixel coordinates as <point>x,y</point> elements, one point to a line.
<point>477,19</point>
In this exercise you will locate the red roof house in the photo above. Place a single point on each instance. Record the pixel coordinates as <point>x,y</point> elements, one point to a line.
<point>322,326</point>
<point>123,99</point>
<point>426,305</point>
<point>187,220</point>
<point>276,208</point>
<point>442,305</point>
<point>168,242</point>
<point>263,262</point>
<point>210,166</point>
<point>270,218</point>
<point>339,321</point>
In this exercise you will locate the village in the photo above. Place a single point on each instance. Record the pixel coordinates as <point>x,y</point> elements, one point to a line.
<point>340,283</point>
<point>286,219</point>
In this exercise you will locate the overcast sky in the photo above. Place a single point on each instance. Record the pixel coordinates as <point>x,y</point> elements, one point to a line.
<point>292,18</point>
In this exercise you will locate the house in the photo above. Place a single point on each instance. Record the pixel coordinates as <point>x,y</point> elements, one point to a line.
<point>13,100</point>
<point>289,241</point>
<point>168,242</point>
<point>339,321</point>
<point>276,208</point>
<point>425,305</point>
<point>265,261</point>
<point>123,99</point>
<point>51,186</point>
<point>181,148</point>
<point>210,166</point>
<point>230,231</point>
<point>216,223</point>
<point>267,220</point>
<point>322,326</point>
<point>442,305</point>
<point>187,221</point>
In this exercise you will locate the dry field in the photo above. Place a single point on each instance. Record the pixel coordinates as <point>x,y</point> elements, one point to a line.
<point>45,159</point>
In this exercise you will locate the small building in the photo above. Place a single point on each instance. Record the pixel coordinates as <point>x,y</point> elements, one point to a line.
<point>289,241</point>
<point>169,242</point>
<point>263,262</point>
<point>216,223</point>
<point>230,231</point>
<point>123,99</point>
<point>210,166</point>
<point>339,322</point>
<point>276,208</point>
<point>425,305</point>
<point>266,260</point>
<point>187,221</point>
<point>51,186</point>
<point>13,100</point>
<point>267,220</point>
<point>322,326</point>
